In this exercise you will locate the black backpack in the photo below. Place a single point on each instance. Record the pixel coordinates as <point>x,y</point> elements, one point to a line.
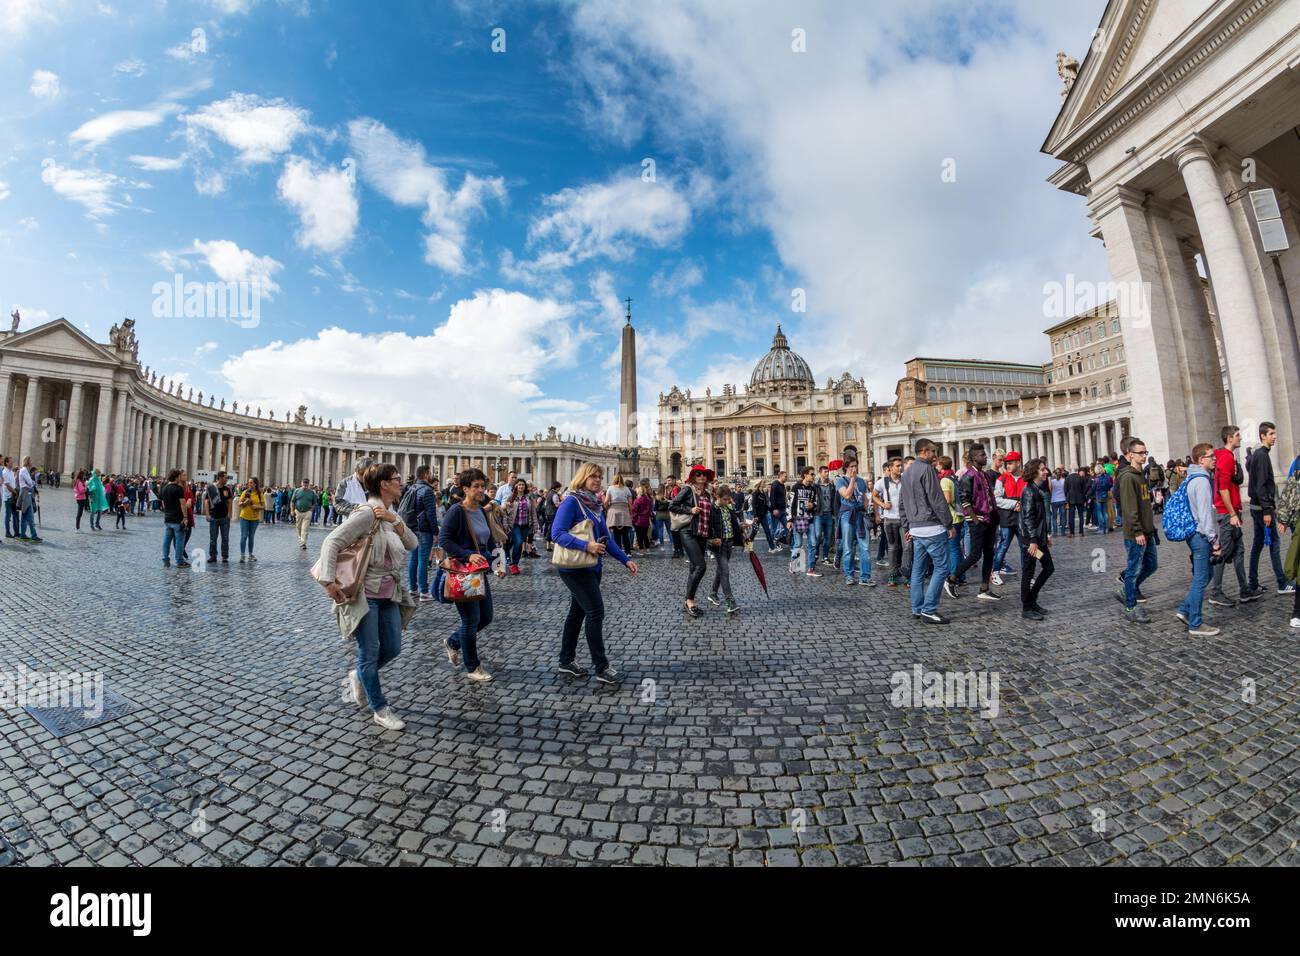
<point>409,507</point>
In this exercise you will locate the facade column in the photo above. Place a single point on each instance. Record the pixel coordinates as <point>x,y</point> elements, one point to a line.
<point>6,382</point>
<point>119,431</point>
<point>102,421</point>
<point>27,442</point>
<point>1249,382</point>
<point>72,430</point>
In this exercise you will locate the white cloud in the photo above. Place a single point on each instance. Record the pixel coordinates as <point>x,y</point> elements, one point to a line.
<point>686,275</point>
<point>258,129</point>
<point>400,171</point>
<point>233,264</point>
<point>607,219</point>
<point>210,184</point>
<point>326,202</point>
<point>19,16</point>
<point>4,190</point>
<point>29,224</point>
<point>157,164</point>
<point>101,129</point>
<point>184,51</point>
<point>829,153</point>
<point>45,85</point>
<point>90,187</point>
<point>131,67</point>
<point>611,306</point>
<point>321,371</point>
<point>233,7</point>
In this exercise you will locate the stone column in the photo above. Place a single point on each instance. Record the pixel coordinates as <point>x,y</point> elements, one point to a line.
<point>72,429</point>
<point>102,420</point>
<point>27,442</point>
<point>6,382</point>
<point>1243,342</point>
<point>119,431</point>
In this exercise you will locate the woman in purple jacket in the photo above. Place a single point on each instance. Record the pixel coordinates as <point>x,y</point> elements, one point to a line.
<point>586,604</point>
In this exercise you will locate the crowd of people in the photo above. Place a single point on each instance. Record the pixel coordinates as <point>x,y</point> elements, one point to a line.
<point>932,526</point>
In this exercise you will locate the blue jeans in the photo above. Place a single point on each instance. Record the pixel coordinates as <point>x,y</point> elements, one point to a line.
<point>1058,518</point>
<point>173,538</point>
<point>932,551</point>
<point>824,534</point>
<point>663,530</point>
<point>1102,516</point>
<point>379,640</point>
<point>516,546</point>
<point>11,516</point>
<point>776,526</point>
<point>1257,547</point>
<point>1199,545</point>
<point>955,554</point>
<point>474,617</point>
<point>247,532</point>
<point>28,523</point>
<point>1005,534</point>
<point>417,568</point>
<point>852,544</point>
<point>1142,564</point>
<point>218,526</point>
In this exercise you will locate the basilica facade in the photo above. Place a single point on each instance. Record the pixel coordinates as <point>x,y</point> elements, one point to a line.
<point>781,421</point>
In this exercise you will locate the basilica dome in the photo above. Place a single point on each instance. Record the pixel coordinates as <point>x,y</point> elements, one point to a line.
<point>781,366</point>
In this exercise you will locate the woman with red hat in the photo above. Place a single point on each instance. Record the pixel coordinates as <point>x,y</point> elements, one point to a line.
<point>694,500</point>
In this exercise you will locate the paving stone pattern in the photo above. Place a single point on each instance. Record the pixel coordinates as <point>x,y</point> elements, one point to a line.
<point>768,739</point>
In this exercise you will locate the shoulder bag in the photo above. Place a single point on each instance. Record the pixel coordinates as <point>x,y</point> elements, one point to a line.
<point>350,565</point>
<point>461,583</point>
<point>572,558</point>
<point>680,522</point>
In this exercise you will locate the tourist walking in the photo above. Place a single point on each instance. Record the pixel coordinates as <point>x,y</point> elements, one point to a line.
<point>304,502</point>
<point>251,504</point>
<point>98,500</point>
<point>926,520</point>
<point>1204,541</point>
<point>1076,500</point>
<point>886,496</point>
<point>643,510</point>
<point>520,521</point>
<point>758,505</point>
<point>216,505</point>
<point>824,523</point>
<point>1035,530</point>
<point>9,494</point>
<point>1057,486</point>
<point>425,526</point>
<point>466,536</point>
<point>979,515</point>
<point>694,500</point>
<point>618,510</point>
<point>1228,478</point>
<point>173,508</point>
<point>586,605</point>
<point>803,514</point>
<point>382,606</point>
<point>80,494</point>
<point>1263,495</point>
<point>1139,530</point>
<point>1010,486</point>
<point>776,507</point>
<point>728,532</point>
<point>852,491</point>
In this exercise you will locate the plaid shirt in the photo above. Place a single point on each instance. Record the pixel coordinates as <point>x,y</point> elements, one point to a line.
<point>706,507</point>
<point>521,513</point>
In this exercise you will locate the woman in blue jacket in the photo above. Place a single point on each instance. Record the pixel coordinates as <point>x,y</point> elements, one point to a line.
<point>586,603</point>
<point>466,536</point>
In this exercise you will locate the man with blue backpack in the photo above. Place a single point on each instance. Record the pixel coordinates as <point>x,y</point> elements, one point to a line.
<point>1190,516</point>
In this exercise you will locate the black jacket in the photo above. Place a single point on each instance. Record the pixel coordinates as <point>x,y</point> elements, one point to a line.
<point>1076,489</point>
<point>1262,489</point>
<point>682,505</point>
<point>758,503</point>
<point>1034,525</point>
<point>737,527</point>
<point>776,497</point>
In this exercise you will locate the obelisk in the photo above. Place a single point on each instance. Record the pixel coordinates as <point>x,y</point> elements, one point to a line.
<point>629,444</point>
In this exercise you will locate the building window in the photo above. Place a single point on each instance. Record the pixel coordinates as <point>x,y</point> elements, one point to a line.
<point>1087,336</point>
<point>719,439</point>
<point>1114,326</point>
<point>1105,356</point>
<point>758,436</point>
<point>760,466</point>
<point>821,434</point>
<point>1109,390</point>
<point>799,435</point>
<point>676,410</point>
<point>1101,330</point>
<point>1119,354</point>
<point>848,432</point>
<point>1123,383</point>
<point>933,393</point>
<point>848,399</point>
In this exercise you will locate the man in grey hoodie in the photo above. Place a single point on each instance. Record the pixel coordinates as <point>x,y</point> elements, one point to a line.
<point>927,522</point>
<point>1203,542</point>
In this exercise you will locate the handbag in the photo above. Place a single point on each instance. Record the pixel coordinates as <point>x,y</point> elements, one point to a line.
<point>572,558</point>
<point>460,583</point>
<point>680,522</point>
<point>350,566</point>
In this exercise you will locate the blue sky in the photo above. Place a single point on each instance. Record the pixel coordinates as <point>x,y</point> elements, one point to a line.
<point>443,232</point>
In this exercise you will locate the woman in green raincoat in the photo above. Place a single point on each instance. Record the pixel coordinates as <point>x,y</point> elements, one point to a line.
<point>98,500</point>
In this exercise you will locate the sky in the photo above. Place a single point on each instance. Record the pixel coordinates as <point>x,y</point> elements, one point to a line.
<point>438,209</point>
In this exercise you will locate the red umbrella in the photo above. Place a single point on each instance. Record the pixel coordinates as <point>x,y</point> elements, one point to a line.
<point>758,569</point>
<point>835,465</point>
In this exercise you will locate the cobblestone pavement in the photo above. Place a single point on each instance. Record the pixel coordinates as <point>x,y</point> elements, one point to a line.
<point>768,739</point>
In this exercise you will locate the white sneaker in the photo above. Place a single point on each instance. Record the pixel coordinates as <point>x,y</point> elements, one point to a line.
<point>480,675</point>
<point>996,578</point>
<point>388,720</point>
<point>1289,589</point>
<point>1295,622</point>
<point>358,692</point>
<point>813,574</point>
<point>453,656</point>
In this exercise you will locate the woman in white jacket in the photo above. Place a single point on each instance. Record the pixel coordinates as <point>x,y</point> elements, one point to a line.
<point>379,613</point>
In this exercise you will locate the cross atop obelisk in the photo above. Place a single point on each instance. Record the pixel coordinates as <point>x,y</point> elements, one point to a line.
<point>627,433</point>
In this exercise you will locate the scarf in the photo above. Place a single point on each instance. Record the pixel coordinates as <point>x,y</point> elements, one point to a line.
<point>706,507</point>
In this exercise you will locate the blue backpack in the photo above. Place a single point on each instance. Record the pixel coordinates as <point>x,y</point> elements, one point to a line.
<point>1178,522</point>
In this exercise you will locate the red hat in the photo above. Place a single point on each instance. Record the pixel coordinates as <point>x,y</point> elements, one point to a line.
<point>700,469</point>
<point>1012,456</point>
